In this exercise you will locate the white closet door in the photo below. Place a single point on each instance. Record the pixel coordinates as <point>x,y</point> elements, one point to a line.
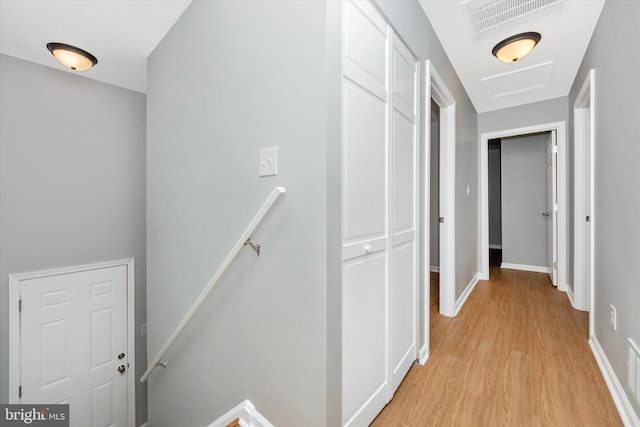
<point>403,245</point>
<point>364,214</point>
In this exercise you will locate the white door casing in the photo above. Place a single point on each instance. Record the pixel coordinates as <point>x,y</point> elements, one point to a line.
<point>561,185</point>
<point>437,90</point>
<point>584,145</point>
<point>66,339</point>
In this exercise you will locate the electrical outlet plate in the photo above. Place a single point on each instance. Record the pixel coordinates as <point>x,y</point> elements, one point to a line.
<point>614,320</point>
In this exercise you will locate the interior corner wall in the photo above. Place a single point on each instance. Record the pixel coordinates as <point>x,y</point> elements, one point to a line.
<point>412,25</point>
<point>231,78</point>
<point>617,177</point>
<point>72,183</point>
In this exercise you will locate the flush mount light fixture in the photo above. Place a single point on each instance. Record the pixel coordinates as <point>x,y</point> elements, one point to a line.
<point>514,48</point>
<point>72,57</point>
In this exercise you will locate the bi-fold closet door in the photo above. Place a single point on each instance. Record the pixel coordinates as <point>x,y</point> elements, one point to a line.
<point>379,212</point>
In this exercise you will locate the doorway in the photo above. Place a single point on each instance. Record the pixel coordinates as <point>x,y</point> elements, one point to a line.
<point>584,134</point>
<point>559,210</point>
<point>71,341</point>
<point>522,193</point>
<point>438,93</point>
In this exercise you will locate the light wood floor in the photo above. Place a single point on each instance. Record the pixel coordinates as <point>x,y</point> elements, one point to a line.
<point>516,355</point>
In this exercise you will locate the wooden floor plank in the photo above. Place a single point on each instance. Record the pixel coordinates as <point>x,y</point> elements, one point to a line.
<point>516,355</point>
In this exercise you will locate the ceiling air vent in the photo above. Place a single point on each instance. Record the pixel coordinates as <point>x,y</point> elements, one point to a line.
<point>488,17</point>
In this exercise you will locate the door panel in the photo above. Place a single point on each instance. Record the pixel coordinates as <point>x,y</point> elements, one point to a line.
<point>403,334</point>
<point>364,340</point>
<point>73,326</point>
<point>403,266</point>
<point>364,164</point>
<point>365,215</point>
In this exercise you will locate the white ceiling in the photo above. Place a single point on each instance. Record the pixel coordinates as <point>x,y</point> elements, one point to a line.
<point>121,34</point>
<point>547,72</point>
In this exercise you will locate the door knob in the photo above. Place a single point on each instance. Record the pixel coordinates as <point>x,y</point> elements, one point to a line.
<point>545,214</point>
<point>121,369</point>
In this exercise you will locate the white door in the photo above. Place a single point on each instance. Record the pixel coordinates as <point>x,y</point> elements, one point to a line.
<point>379,250</point>
<point>364,214</point>
<point>588,184</point>
<point>553,208</point>
<point>73,344</point>
<point>403,173</point>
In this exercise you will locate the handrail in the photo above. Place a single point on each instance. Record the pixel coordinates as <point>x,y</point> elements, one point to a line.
<point>277,191</point>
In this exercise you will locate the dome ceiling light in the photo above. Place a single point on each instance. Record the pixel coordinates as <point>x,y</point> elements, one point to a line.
<point>514,48</point>
<point>72,57</point>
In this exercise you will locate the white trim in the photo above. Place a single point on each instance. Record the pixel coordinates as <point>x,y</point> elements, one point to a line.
<point>623,404</point>
<point>467,291</point>
<point>585,102</point>
<point>423,355</point>
<point>14,325</point>
<point>524,267</point>
<point>437,90</point>
<point>570,296</point>
<point>560,128</point>
<point>145,425</point>
<point>434,269</point>
<point>246,411</point>
<point>495,246</point>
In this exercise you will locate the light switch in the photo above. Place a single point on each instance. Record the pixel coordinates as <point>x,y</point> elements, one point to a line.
<point>269,161</point>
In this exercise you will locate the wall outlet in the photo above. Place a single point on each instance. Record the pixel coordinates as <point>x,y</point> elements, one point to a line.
<point>614,320</point>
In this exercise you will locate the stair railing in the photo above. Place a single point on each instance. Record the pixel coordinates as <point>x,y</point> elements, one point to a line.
<point>244,240</point>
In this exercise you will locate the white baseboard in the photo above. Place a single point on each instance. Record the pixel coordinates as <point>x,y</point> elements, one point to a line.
<point>145,425</point>
<point>249,417</point>
<point>465,294</point>
<point>434,269</point>
<point>495,246</point>
<point>423,355</point>
<point>534,268</point>
<point>620,398</point>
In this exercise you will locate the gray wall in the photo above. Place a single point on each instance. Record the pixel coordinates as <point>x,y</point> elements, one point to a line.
<point>524,199</point>
<point>255,77</point>
<point>434,184</point>
<point>617,178</point>
<point>72,183</point>
<point>495,201</point>
<point>552,110</point>
<point>410,22</point>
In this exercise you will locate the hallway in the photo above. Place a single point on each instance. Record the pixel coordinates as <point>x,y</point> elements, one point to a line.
<point>516,355</point>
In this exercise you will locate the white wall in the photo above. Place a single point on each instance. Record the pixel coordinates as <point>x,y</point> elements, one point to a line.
<point>72,183</point>
<point>230,78</point>
<point>524,198</point>
<point>617,178</point>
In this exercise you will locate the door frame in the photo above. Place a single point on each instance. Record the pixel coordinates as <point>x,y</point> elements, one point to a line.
<point>14,325</point>
<point>584,139</point>
<point>436,89</point>
<point>561,134</point>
